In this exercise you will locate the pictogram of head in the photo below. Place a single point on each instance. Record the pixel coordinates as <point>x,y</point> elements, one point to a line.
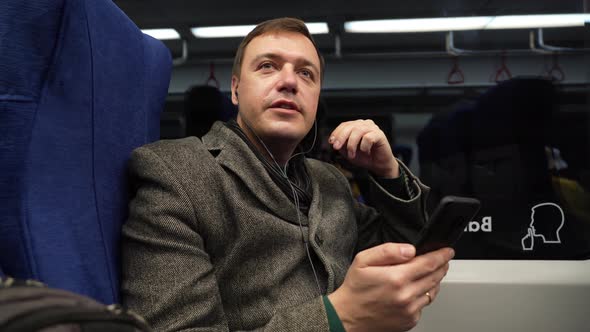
<point>547,220</point>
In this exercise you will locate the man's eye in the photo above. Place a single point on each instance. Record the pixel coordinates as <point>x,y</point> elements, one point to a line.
<point>266,65</point>
<point>307,73</point>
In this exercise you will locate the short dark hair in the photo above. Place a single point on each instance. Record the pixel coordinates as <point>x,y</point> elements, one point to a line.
<point>285,24</point>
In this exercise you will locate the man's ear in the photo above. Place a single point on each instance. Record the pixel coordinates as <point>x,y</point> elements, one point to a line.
<point>234,89</point>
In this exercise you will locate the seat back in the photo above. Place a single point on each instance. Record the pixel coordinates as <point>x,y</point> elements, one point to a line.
<point>80,88</point>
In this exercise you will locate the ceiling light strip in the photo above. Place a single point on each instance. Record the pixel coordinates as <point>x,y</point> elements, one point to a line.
<point>162,34</point>
<point>467,23</point>
<point>243,30</point>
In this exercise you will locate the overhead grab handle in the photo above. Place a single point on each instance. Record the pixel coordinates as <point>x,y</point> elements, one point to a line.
<point>212,78</point>
<point>555,73</point>
<point>503,73</point>
<point>456,75</point>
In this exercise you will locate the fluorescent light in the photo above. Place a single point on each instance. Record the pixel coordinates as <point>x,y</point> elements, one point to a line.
<point>418,25</point>
<point>317,28</point>
<point>162,34</point>
<point>222,31</point>
<point>243,30</point>
<point>466,23</point>
<point>538,21</point>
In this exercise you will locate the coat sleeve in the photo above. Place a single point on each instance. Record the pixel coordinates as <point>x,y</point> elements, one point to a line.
<point>167,275</point>
<point>391,218</point>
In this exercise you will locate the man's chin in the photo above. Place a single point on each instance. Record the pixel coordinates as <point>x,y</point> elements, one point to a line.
<point>286,131</point>
<point>285,136</point>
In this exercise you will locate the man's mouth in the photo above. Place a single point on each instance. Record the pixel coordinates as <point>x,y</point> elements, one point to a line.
<point>285,104</point>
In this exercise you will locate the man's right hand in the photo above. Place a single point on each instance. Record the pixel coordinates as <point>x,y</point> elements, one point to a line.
<point>385,287</point>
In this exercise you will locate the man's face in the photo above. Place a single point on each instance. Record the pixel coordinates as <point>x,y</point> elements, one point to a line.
<point>279,87</point>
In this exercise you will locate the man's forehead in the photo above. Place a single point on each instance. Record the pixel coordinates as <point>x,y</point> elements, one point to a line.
<point>274,42</point>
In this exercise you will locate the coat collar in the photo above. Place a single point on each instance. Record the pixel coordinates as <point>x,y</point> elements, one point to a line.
<point>235,155</point>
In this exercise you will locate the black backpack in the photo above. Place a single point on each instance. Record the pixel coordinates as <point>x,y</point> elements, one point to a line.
<point>31,306</point>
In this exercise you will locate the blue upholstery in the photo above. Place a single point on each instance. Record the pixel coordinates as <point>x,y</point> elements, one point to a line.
<point>80,88</point>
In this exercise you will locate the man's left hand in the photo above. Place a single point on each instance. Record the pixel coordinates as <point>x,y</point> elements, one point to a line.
<point>365,145</point>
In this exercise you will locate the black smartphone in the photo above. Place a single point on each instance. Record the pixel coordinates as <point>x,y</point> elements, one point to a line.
<point>447,223</point>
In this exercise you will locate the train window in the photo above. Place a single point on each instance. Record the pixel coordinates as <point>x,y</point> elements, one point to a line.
<point>520,146</point>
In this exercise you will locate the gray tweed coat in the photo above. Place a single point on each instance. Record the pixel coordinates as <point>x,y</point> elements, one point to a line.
<point>212,244</point>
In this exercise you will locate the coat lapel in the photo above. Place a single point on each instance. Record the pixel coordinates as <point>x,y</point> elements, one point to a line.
<point>235,155</point>
<point>315,216</point>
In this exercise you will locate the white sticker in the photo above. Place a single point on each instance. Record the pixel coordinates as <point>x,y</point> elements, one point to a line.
<point>549,220</point>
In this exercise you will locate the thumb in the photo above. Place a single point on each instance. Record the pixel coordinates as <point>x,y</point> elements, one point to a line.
<point>385,254</point>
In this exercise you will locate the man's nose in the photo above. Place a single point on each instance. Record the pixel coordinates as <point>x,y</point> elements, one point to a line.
<point>287,81</point>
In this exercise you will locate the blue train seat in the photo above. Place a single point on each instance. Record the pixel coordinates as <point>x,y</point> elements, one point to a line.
<point>80,87</point>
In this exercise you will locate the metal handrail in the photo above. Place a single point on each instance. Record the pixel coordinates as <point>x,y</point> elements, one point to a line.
<point>184,57</point>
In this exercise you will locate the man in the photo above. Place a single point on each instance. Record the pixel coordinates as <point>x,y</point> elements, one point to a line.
<point>240,232</point>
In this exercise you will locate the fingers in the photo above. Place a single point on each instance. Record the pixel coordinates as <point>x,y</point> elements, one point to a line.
<point>423,292</point>
<point>412,297</point>
<point>340,135</point>
<point>430,284</point>
<point>386,286</point>
<point>434,292</point>
<point>366,146</point>
<point>350,134</point>
<point>384,255</point>
<point>429,263</point>
<point>353,141</point>
<point>368,141</point>
<point>424,274</point>
<point>426,298</point>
